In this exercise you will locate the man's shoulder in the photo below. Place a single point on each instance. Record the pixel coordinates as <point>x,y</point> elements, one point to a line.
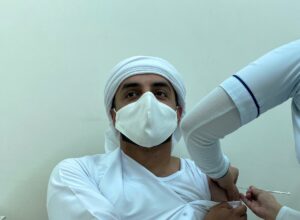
<point>89,165</point>
<point>191,166</point>
<point>188,162</point>
<point>87,159</point>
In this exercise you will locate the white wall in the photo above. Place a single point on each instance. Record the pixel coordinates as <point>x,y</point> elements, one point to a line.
<point>55,57</point>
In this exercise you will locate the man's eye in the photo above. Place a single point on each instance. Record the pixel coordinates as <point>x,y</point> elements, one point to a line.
<point>131,94</point>
<point>161,94</point>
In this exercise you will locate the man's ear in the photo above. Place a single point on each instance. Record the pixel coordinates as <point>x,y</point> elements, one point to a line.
<point>179,113</point>
<point>113,115</point>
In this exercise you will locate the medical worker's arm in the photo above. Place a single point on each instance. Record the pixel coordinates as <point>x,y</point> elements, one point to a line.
<point>72,195</point>
<point>213,117</point>
<point>265,206</point>
<point>260,86</point>
<point>288,213</point>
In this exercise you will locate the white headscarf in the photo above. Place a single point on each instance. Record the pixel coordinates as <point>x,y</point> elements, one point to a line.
<point>135,66</point>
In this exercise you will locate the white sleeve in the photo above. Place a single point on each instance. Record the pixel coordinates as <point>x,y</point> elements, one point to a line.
<point>213,117</point>
<point>260,86</point>
<point>296,124</point>
<point>266,83</point>
<point>72,195</point>
<point>287,213</point>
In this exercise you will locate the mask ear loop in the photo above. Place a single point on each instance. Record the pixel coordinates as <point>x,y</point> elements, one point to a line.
<point>114,109</point>
<point>178,120</point>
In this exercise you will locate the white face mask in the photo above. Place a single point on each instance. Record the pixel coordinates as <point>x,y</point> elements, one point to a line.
<point>147,122</point>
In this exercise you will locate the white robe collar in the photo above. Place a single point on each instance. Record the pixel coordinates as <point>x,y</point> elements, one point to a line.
<point>136,193</point>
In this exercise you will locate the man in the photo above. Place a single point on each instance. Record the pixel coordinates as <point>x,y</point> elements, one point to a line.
<point>137,178</point>
<point>260,86</point>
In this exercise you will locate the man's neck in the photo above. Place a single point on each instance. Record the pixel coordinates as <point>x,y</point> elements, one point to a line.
<point>157,160</point>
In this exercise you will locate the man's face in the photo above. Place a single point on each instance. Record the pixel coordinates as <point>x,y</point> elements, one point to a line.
<point>134,87</point>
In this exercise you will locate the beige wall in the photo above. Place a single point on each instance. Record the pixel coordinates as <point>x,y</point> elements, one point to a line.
<point>55,57</point>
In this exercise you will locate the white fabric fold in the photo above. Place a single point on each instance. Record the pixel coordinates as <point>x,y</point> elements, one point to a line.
<point>130,186</point>
<point>113,186</point>
<point>287,213</point>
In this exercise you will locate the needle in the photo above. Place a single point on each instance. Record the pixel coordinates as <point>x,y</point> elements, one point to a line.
<point>271,191</point>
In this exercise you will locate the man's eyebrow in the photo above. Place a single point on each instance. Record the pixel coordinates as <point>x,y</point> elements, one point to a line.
<point>130,85</point>
<point>161,84</point>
